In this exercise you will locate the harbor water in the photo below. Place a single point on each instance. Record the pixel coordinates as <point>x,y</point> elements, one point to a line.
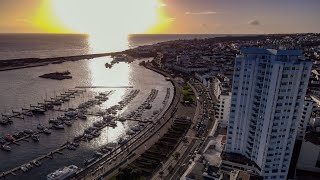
<point>22,87</point>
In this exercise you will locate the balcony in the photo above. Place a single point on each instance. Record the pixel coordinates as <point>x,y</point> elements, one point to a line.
<point>250,145</point>
<point>253,122</point>
<point>252,127</point>
<point>256,104</point>
<point>252,132</point>
<point>255,110</point>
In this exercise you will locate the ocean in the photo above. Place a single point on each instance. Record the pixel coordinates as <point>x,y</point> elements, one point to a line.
<point>16,46</point>
<point>22,87</point>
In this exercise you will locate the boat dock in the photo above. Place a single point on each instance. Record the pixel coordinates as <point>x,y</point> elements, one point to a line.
<point>46,156</point>
<point>70,93</point>
<point>24,138</point>
<point>82,138</point>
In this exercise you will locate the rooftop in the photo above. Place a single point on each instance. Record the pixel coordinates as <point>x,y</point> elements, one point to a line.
<point>312,137</point>
<point>243,175</point>
<point>238,158</point>
<point>255,50</point>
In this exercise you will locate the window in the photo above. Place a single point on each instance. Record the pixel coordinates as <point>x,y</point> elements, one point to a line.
<point>318,161</point>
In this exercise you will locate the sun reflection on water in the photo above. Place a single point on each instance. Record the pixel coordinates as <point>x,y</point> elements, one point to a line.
<point>107,43</point>
<point>118,75</point>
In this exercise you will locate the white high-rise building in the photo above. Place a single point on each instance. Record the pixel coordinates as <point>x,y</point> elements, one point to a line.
<point>268,93</point>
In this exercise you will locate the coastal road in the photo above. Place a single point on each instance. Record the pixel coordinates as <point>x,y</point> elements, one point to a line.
<point>178,167</point>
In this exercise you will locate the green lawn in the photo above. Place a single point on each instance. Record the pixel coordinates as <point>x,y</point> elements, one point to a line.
<point>188,94</point>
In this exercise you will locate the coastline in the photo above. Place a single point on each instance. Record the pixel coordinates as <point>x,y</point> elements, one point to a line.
<point>12,64</point>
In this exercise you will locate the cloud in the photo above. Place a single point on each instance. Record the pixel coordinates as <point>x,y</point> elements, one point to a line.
<point>254,22</point>
<point>171,19</point>
<point>201,13</point>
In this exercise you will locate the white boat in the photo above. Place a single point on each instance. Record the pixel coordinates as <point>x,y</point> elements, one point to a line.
<point>35,138</point>
<point>63,173</point>
<point>122,141</point>
<point>112,124</point>
<point>24,168</point>
<point>5,147</point>
<point>57,102</point>
<point>98,154</point>
<point>121,119</point>
<point>120,58</point>
<point>88,136</point>
<point>68,123</point>
<point>96,133</point>
<point>38,110</point>
<point>82,116</point>
<point>149,106</point>
<point>89,161</point>
<point>46,131</point>
<point>58,126</point>
<point>135,128</point>
<point>40,127</point>
<point>108,118</point>
<point>28,131</point>
<point>28,113</point>
<point>130,132</point>
<point>71,113</point>
<point>36,163</point>
<point>71,147</point>
<point>4,121</point>
<point>29,166</point>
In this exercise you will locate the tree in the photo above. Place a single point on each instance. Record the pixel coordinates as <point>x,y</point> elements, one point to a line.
<point>176,155</point>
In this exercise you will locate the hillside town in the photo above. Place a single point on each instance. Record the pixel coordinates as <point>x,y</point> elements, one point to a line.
<point>211,64</point>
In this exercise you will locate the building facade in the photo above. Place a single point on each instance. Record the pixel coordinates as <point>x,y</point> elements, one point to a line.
<point>305,117</point>
<point>267,101</point>
<point>222,91</point>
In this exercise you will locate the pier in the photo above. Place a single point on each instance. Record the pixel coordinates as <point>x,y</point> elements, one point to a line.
<point>70,93</point>
<point>84,87</point>
<point>46,156</point>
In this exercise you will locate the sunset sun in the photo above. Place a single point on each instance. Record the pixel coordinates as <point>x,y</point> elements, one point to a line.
<point>96,17</point>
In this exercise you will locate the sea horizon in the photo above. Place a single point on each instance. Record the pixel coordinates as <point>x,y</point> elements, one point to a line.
<point>152,34</point>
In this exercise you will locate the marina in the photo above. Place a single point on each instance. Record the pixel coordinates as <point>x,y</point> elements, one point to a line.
<point>41,107</point>
<point>95,130</point>
<point>50,137</point>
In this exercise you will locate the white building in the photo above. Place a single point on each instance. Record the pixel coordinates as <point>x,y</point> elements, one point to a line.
<point>222,91</point>
<point>305,117</point>
<point>189,69</point>
<point>223,108</point>
<point>268,93</point>
<point>205,78</point>
<point>215,87</point>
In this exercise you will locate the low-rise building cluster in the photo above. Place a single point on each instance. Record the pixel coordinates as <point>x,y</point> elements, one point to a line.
<point>212,62</point>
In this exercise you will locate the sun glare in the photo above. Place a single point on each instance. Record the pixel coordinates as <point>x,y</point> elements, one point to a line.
<point>96,17</point>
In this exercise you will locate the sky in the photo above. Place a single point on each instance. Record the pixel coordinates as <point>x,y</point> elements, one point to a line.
<point>159,16</point>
